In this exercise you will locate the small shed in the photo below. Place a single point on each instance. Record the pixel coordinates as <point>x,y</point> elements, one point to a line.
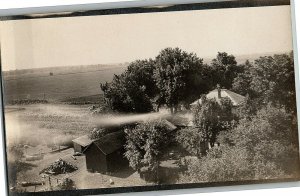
<point>107,153</point>
<point>81,143</point>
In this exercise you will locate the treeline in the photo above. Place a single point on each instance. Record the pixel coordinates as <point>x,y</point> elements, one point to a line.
<point>175,77</point>
<point>27,101</point>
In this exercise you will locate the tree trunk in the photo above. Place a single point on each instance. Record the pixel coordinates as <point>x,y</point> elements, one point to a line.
<point>172,109</point>
<point>175,109</point>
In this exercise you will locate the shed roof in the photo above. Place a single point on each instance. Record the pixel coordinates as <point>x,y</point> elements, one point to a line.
<point>111,142</point>
<point>234,97</point>
<point>83,140</point>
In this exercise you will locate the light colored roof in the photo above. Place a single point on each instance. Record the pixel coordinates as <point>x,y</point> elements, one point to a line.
<point>234,97</point>
<point>83,140</point>
<point>181,119</point>
<point>170,126</point>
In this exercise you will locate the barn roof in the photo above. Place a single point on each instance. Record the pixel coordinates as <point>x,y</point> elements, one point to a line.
<point>111,142</point>
<point>234,97</point>
<point>83,140</point>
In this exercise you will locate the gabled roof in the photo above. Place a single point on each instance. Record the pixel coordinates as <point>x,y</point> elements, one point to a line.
<point>111,142</point>
<point>170,126</point>
<point>83,140</point>
<point>234,97</point>
<point>181,119</point>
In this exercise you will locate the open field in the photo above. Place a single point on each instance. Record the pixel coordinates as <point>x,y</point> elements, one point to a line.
<point>45,123</point>
<point>40,129</point>
<point>63,84</point>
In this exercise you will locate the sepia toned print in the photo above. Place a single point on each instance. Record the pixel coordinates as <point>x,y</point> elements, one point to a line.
<point>102,102</point>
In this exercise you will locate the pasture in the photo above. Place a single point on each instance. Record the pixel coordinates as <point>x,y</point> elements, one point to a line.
<point>63,84</point>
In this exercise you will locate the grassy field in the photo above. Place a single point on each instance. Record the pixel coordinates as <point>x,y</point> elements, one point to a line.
<point>63,84</point>
<point>46,123</point>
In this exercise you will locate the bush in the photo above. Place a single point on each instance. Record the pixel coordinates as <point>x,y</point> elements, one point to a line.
<point>145,143</point>
<point>67,184</point>
<point>229,164</point>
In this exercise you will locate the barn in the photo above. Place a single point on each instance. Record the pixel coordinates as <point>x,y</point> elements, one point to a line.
<point>107,153</point>
<point>81,143</point>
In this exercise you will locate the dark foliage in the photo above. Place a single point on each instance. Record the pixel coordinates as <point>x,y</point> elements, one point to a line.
<point>132,90</point>
<point>145,143</point>
<point>224,69</point>
<point>180,76</point>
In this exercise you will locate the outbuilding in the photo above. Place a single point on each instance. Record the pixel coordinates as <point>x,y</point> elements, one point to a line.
<point>81,143</point>
<point>107,153</point>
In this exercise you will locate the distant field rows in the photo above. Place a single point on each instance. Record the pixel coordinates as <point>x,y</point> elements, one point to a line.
<point>59,86</point>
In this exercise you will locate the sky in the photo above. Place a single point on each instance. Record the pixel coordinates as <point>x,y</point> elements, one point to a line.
<point>107,39</point>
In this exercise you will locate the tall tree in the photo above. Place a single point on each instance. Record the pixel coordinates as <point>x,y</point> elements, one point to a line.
<point>274,80</point>
<point>225,69</point>
<point>212,117</point>
<point>180,77</point>
<point>242,83</point>
<point>132,90</point>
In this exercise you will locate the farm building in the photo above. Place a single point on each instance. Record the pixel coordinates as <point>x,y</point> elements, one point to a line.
<point>81,143</point>
<point>219,93</point>
<point>106,153</point>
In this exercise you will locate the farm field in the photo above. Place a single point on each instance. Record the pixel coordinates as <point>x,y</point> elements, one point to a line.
<point>45,123</point>
<point>63,84</point>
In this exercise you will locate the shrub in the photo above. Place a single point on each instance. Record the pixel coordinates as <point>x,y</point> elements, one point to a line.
<point>145,143</point>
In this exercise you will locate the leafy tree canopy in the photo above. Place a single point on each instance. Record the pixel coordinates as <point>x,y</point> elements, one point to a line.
<point>212,117</point>
<point>132,90</point>
<point>180,77</point>
<point>224,69</point>
<point>145,143</point>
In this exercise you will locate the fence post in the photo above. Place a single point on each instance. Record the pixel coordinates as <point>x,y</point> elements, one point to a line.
<point>50,187</point>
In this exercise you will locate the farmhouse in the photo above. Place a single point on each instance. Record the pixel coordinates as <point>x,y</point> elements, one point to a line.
<point>106,153</point>
<point>81,143</point>
<point>219,93</point>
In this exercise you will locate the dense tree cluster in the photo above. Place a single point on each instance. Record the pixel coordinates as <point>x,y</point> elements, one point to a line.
<point>261,148</point>
<point>258,139</point>
<point>270,79</point>
<point>261,143</point>
<point>174,77</point>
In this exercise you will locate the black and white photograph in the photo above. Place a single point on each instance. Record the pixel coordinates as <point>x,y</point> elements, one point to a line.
<point>162,97</point>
